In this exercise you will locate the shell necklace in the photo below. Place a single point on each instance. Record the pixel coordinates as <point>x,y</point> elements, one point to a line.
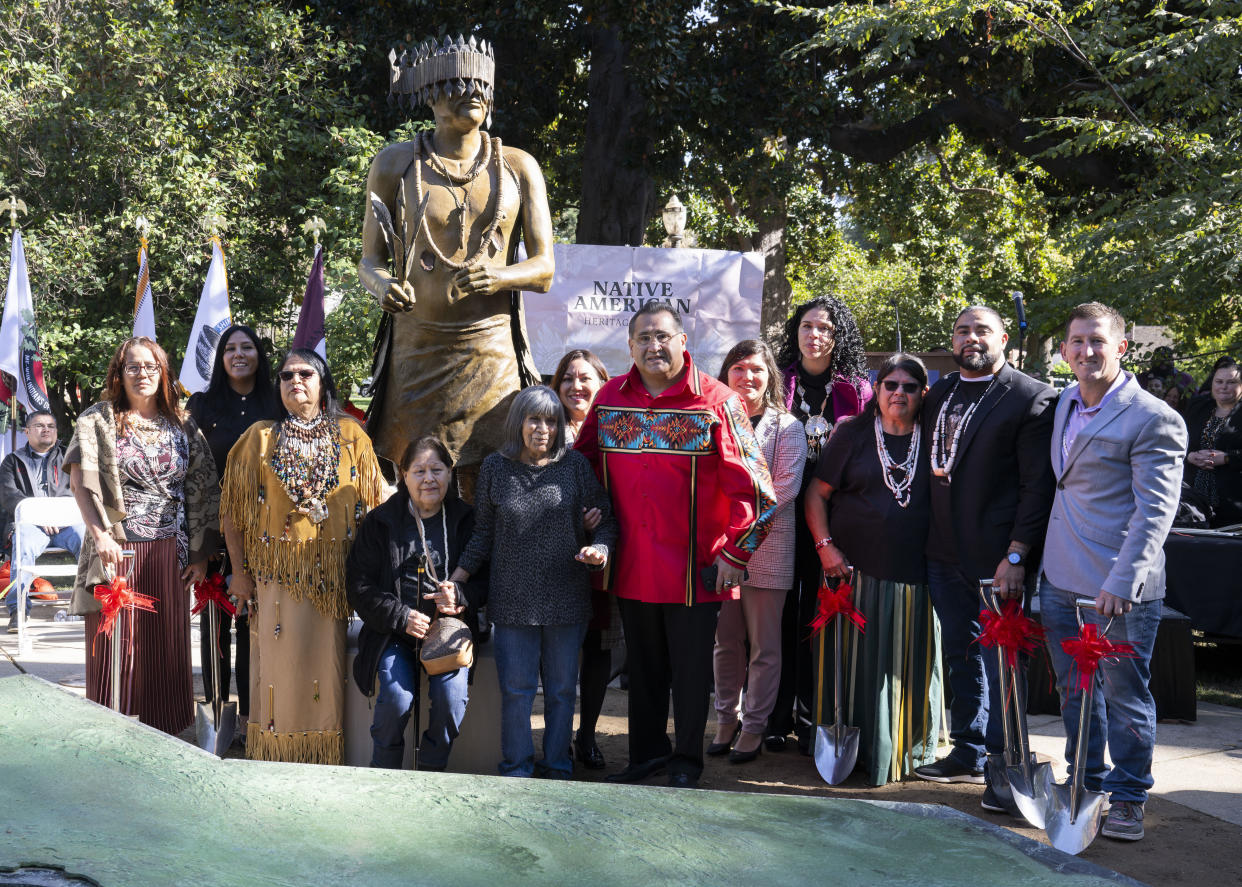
<point>942,462</point>
<point>899,488</point>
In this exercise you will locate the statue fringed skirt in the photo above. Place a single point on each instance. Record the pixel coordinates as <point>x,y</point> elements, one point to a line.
<point>157,682</point>
<point>893,684</point>
<point>297,680</point>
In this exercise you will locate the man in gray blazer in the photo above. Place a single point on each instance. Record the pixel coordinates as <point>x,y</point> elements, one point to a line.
<point>1117,455</point>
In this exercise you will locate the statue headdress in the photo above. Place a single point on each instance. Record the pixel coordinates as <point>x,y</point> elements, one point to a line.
<point>432,70</point>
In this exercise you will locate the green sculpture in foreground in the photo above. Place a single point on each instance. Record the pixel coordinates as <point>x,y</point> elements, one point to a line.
<point>102,796</point>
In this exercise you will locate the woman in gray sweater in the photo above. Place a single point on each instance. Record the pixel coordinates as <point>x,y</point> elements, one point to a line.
<point>530,500</point>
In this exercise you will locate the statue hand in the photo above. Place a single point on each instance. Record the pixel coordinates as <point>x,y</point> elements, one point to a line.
<point>478,280</point>
<point>398,297</point>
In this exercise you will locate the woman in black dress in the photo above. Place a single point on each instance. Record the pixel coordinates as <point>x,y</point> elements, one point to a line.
<point>1214,456</point>
<point>239,394</point>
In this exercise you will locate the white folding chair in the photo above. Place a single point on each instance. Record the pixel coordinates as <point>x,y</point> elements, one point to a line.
<point>30,515</point>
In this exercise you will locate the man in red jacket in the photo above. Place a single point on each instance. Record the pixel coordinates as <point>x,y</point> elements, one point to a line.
<point>676,452</point>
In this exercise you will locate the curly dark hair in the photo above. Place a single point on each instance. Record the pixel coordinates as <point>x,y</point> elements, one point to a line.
<point>848,360</point>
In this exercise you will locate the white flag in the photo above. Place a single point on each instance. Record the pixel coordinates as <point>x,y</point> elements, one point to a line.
<point>144,307</point>
<point>210,321</point>
<point>19,341</point>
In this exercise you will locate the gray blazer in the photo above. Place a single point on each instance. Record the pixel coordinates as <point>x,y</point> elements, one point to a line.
<point>1116,496</point>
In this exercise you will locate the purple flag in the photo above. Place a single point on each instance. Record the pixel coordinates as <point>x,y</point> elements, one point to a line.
<point>310,332</point>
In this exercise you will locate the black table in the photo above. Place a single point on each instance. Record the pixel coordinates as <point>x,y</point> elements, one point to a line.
<point>1205,581</point>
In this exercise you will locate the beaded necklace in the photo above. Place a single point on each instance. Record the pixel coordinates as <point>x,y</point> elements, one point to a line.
<point>942,462</point>
<point>152,437</point>
<point>306,461</point>
<point>899,488</point>
<point>492,149</point>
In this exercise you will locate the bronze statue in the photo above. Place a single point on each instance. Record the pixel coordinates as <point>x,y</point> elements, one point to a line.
<point>439,244</point>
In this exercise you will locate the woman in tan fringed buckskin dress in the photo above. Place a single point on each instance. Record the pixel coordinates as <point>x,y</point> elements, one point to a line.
<point>294,493</point>
<point>144,480</point>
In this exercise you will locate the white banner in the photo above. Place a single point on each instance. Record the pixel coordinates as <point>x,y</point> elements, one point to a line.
<point>210,321</point>
<point>597,289</point>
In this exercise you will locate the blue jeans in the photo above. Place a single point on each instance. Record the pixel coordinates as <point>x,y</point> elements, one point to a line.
<point>1123,711</point>
<point>524,654</point>
<point>399,669</point>
<point>34,542</point>
<point>974,674</point>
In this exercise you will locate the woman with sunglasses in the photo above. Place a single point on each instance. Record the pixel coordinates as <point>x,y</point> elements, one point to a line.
<point>294,492</point>
<point>144,481</point>
<point>868,508</point>
<point>238,395</point>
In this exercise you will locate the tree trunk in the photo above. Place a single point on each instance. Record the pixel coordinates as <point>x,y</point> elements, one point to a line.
<point>769,239</point>
<point>617,193</point>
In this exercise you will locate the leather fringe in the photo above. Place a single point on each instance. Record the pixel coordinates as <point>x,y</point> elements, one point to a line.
<point>310,747</point>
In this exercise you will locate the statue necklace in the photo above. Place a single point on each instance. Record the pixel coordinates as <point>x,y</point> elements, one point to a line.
<point>492,236</point>
<point>899,488</point>
<point>943,459</point>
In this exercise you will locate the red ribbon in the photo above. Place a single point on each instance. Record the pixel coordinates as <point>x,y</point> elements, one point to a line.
<point>113,597</point>
<point>212,590</point>
<point>1088,649</point>
<point>836,602</point>
<point>1011,630</point>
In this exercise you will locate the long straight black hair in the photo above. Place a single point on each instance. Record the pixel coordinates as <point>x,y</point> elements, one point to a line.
<point>215,397</point>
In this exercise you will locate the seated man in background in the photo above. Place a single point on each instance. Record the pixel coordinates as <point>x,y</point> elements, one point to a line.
<point>34,469</point>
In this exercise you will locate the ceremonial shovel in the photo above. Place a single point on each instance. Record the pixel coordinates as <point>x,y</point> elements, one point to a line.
<point>216,724</point>
<point>1018,780</point>
<point>1074,813</point>
<point>836,746</point>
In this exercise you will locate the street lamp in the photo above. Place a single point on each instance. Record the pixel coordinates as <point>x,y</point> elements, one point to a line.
<point>674,215</point>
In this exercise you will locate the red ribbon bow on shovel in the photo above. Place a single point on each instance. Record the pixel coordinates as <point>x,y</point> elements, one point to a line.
<point>1011,630</point>
<point>836,602</point>
<point>1088,649</point>
<point>212,590</point>
<point>113,597</point>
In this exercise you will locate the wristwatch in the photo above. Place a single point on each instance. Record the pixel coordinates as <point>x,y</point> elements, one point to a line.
<point>1016,558</point>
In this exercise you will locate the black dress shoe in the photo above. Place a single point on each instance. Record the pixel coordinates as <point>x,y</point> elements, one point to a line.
<point>774,742</point>
<point>719,748</point>
<point>640,771</point>
<point>590,756</point>
<point>745,757</point>
<point>682,780</point>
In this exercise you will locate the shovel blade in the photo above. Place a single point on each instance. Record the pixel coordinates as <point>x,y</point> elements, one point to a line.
<point>1031,798</point>
<point>215,736</point>
<point>998,779</point>
<point>836,752</point>
<point>1072,830</point>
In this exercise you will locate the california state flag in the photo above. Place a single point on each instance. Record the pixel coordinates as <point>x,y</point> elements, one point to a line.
<point>210,321</point>
<point>19,340</point>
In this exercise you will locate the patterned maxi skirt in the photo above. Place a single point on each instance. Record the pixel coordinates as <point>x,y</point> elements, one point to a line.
<point>157,681</point>
<point>893,690</point>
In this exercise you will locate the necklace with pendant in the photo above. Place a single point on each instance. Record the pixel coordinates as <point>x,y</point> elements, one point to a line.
<point>817,427</point>
<point>306,461</point>
<point>942,460</point>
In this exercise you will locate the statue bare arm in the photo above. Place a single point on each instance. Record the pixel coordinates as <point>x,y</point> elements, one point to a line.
<point>535,272</point>
<point>373,269</point>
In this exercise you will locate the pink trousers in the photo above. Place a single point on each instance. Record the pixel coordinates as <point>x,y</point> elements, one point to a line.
<point>757,617</point>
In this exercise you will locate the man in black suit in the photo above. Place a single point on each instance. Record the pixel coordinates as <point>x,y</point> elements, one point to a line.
<point>988,429</point>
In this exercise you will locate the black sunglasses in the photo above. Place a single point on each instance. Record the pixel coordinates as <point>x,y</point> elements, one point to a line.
<point>287,375</point>
<point>908,387</point>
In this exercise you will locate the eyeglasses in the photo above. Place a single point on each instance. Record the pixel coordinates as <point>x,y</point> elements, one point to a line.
<point>645,339</point>
<point>908,387</point>
<point>141,369</point>
<point>287,375</point>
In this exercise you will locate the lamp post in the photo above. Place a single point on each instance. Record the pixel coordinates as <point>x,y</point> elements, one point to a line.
<point>674,215</point>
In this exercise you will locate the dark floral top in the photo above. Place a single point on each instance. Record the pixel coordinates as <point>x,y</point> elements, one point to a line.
<point>153,470</point>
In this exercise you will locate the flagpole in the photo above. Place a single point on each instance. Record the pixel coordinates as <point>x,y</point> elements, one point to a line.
<point>14,206</point>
